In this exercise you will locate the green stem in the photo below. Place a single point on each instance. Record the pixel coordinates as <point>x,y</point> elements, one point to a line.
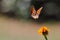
<point>45,37</point>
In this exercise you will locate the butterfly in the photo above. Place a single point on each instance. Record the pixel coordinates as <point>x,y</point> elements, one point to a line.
<point>35,14</point>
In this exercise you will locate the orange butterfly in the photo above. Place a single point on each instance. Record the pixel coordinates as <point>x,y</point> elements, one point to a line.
<point>35,14</point>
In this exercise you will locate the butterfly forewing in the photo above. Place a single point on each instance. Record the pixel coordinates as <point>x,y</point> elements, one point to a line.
<point>33,11</point>
<point>39,10</point>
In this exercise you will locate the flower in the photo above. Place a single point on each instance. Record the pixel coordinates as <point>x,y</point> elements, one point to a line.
<point>43,30</point>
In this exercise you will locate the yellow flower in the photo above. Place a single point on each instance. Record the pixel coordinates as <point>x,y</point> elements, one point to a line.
<point>43,30</point>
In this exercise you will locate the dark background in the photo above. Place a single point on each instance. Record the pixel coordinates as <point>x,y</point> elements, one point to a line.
<point>51,9</point>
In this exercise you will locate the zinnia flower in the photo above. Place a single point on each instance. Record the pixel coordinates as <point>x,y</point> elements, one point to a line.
<point>43,30</point>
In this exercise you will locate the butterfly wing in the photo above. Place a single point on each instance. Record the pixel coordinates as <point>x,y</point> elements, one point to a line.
<point>33,11</point>
<point>39,10</point>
